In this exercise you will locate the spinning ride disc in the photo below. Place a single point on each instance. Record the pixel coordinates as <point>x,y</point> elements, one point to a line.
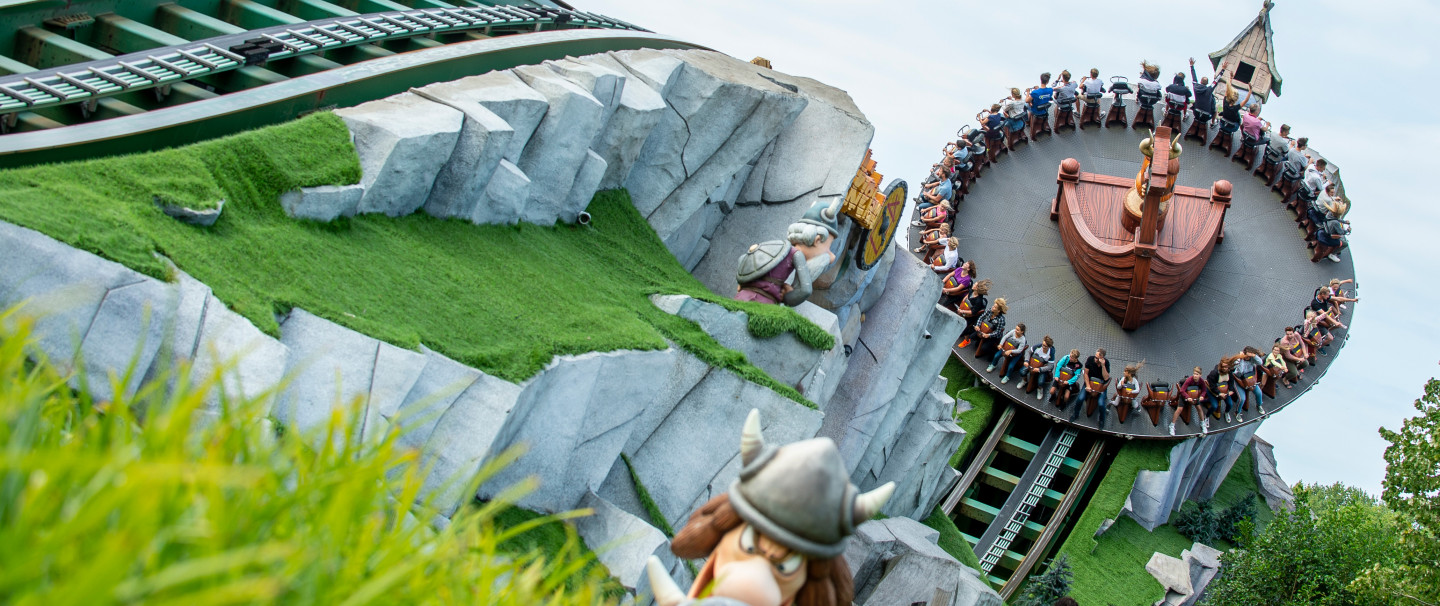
<point>875,241</point>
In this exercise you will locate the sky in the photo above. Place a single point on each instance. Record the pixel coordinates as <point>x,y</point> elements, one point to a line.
<point>1359,81</point>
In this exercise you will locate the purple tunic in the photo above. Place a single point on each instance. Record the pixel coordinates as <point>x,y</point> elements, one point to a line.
<point>766,288</point>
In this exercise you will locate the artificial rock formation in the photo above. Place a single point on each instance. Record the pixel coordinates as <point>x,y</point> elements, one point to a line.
<point>897,561</point>
<point>1197,468</point>
<point>1185,578</point>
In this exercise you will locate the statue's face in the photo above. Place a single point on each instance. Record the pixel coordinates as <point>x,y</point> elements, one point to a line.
<point>753,569</point>
<point>820,247</point>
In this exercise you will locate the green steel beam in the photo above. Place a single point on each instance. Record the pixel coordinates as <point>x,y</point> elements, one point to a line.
<point>249,14</point>
<point>311,10</point>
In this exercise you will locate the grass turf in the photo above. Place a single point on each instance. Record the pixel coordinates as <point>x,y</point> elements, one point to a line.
<point>504,299</point>
<point>982,408</point>
<point>952,541</point>
<point>1111,570</point>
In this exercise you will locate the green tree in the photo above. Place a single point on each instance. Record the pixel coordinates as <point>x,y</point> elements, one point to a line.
<point>1047,587</point>
<point>1311,555</point>
<point>1412,489</point>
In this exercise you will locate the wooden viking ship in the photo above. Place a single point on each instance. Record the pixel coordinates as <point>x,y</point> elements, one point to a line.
<point>1137,245</point>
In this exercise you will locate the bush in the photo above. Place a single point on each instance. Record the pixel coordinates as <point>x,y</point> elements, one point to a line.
<point>1047,587</point>
<point>196,506</point>
<point>1202,523</point>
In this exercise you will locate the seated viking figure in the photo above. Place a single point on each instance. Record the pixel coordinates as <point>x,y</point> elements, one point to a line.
<point>765,269</point>
<point>766,541</point>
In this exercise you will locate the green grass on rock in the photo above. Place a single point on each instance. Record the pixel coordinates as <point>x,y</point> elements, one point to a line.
<point>504,299</point>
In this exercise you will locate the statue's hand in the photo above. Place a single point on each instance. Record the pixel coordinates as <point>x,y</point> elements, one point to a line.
<point>786,288</point>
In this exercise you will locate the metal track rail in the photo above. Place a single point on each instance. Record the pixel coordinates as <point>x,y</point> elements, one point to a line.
<point>161,67</point>
<point>1037,489</point>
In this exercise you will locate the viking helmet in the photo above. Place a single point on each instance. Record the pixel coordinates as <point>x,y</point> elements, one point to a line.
<point>825,214</point>
<point>760,258</point>
<point>800,494</point>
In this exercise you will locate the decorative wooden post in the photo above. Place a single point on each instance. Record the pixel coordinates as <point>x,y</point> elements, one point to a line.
<point>1149,225</point>
<point>1069,173</point>
<point>1220,194</point>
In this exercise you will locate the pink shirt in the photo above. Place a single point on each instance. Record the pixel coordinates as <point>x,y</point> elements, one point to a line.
<point>1250,124</point>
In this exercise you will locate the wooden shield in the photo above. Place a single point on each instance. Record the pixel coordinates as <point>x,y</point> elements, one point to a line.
<point>874,242</point>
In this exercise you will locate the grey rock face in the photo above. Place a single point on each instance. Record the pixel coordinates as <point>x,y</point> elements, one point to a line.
<point>440,383</point>
<point>722,115</point>
<point>184,214</point>
<point>1197,468</point>
<point>872,385</point>
<point>694,452</point>
<point>503,93</point>
<point>896,561</point>
<point>1273,489</point>
<point>637,110</point>
<point>821,149</point>
<point>251,362</point>
<point>335,368</point>
<point>484,139</point>
<point>621,541</point>
<point>126,334</point>
<point>504,197</point>
<point>403,141</point>
<point>604,83</point>
<point>784,357</point>
<point>323,203</point>
<point>918,461</point>
<point>462,438</point>
<point>1185,578</point>
<point>573,419</point>
<point>587,181</point>
<point>559,144</point>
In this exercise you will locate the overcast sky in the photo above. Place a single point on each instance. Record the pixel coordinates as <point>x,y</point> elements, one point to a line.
<point>1359,80</point>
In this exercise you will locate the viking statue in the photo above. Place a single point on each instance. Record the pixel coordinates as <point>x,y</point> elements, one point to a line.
<point>765,269</point>
<point>776,537</point>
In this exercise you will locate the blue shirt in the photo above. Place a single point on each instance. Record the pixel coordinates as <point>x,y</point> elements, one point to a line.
<point>1040,96</point>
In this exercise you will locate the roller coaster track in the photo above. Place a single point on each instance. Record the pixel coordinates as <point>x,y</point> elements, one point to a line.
<point>198,69</point>
<point>1019,493</point>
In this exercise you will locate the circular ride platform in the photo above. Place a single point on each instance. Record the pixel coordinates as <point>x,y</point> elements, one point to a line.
<point>1258,280</point>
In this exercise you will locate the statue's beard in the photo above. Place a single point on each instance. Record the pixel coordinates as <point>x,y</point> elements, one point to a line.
<point>818,265</point>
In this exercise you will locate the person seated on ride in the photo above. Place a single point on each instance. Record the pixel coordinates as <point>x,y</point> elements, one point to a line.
<point>1222,397</point>
<point>1127,389</point>
<point>1296,160</point>
<point>1332,235</point>
<point>1148,88</point>
<point>1204,95</point>
<point>1192,392</point>
<point>936,189</point>
<point>1277,369</point>
<point>1248,377</point>
<point>934,216</point>
<point>948,258</point>
<point>1092,86</point>
<point>955,287</point>
<point>1094,383</point>
<point>1039,364</point>
<point>1315,179</point>
<point>1323,302</point>
<point>1292,348</point>
<point>1040,96</point>
<point>1279,144</point>
<point>993,123</point>
<point>1338,296</point>
<point>972,305</point>
<point>1010,355</point>
<point>1177,95</point>
<point>1317,337</point>
<point>1067,379</point>
<point>1252,125</point>
<point>1316,209</point>
<point>1016,111</point>
<point>990,327</point>
<point>1230,111</point>
<point>1065,92</point>
<point>932,241</point>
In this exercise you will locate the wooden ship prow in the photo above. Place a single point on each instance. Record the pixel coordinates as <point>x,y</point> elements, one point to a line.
<point>1138,245</point>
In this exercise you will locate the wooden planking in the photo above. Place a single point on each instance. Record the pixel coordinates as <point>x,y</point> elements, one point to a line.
<point>1102,253</point>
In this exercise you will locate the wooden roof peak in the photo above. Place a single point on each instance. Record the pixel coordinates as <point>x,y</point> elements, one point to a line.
<point>1261,22</point>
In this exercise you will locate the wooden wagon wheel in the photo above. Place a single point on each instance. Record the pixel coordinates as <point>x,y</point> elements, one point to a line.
<point>875,241</point>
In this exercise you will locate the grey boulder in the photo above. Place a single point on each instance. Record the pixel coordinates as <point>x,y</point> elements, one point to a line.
<point>897,561</point>
<point>505,196</point>
<point>323,203</point>
<point>484,139</point>
<point>559,144</point>
<point>403,142</point>
<point>503,93</point>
